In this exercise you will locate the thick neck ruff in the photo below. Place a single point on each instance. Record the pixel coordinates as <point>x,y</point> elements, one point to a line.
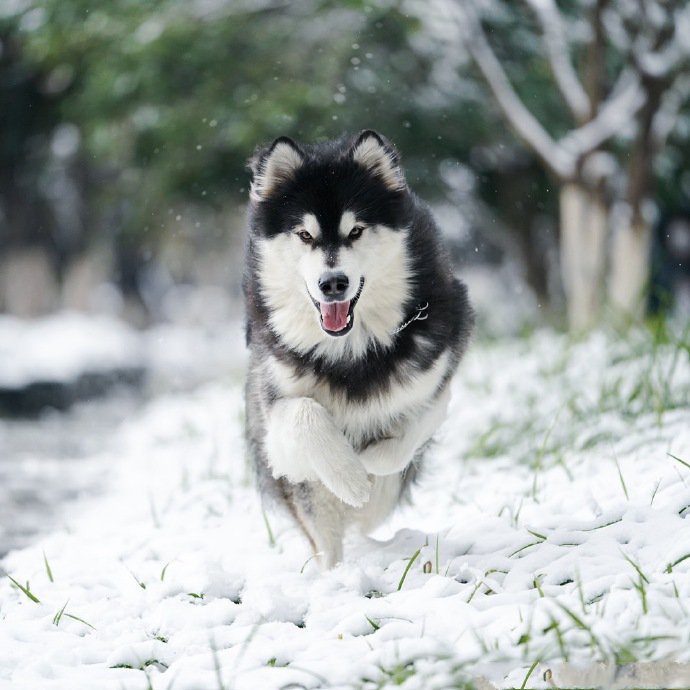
<point>419,315</point>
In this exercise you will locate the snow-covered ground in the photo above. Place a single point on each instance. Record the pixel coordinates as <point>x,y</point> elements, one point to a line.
<point>52,457</point>
<point>61,347</point>
<point>550,527</point>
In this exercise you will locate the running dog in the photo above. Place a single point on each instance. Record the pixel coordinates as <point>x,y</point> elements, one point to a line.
<point>355,325</point>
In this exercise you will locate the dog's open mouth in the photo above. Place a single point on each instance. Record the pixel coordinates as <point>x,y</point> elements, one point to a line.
<point>337,318</point>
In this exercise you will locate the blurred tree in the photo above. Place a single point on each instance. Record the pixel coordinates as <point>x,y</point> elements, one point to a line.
<point>175,95</point>
<point>620,106</point>
<point>165,100</point>
<point>42,215</point>
<point>27,117</point>
<point>169,98</point>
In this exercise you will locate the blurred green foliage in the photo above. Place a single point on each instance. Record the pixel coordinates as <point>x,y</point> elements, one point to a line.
<point>171,97</point>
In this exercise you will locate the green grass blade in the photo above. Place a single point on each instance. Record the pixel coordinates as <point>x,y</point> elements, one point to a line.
<point>559,638</point>
<point>582,625</point>
<point>136,579</point>
<point>671,566</point>
<point>529,673</point>
<point>608,524</point>
<point>271,537</point>
<point>682,462</point>
<point>25,590</point>
<point>306,563</point>
<point>522,548</point>
<point>573,617</point>
<point>656,488</point>
<point>58,616</point>
<point>372,623</point>
<point>48,570</point>
<point>542,537</point>
<point>81,620</point>
<point>620,476</point>
<point>413,558</point>
<point>537,586</point>
<point>636,567</point>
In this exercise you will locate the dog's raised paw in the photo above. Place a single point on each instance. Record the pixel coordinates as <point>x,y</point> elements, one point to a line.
<point>357,490</point>
<point>350,484</point>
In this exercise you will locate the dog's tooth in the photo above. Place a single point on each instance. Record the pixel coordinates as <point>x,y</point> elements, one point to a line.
<point>349,318</point>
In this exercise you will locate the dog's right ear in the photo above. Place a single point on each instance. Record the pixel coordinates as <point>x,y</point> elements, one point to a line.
<point>272,166</point>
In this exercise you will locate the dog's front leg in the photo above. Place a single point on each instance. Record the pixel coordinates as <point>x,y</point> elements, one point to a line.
<point>304,444</point>
<point>394,454</point>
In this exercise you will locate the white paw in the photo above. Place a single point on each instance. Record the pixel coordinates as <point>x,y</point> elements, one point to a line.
<point>304,444</point>
<point>347,480</point>
<point>386,457</point>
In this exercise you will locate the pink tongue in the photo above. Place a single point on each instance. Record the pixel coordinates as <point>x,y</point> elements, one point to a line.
<point>334,315</point>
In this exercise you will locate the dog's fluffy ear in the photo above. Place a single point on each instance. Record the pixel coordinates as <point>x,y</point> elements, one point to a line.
<point>377,155</point>
<point>274,165</point>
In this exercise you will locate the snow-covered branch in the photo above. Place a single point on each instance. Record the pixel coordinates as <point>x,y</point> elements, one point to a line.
<point>556,45</point>
<point>520,118</point>
<point>617,112</point>
<point>657,37</point>
<point>648,43</point>
<point>667,116</point>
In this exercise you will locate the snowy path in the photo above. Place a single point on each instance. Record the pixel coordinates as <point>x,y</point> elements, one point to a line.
<point>49,458</point>
<point>552,525</point>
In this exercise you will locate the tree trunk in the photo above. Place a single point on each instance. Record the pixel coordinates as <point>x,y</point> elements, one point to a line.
<point>584,225</point>
<point>631,241</point>
<point>28,282</point>
<point>630,266</point>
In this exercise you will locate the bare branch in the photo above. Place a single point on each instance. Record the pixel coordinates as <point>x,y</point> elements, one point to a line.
<point>562,69</point>
<point>519,117</point>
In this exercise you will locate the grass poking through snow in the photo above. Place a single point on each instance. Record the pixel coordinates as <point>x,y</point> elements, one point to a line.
<point>560,477</point>
<point>25,589</point>
<point>412,559</point>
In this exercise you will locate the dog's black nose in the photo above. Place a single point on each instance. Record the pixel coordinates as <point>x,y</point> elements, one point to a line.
<point>333,285</point>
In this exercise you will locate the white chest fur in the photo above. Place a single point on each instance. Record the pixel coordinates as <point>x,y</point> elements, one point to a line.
<point>378,414</point>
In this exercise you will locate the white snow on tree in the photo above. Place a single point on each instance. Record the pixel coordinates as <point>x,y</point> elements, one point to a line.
<point>619,123</point>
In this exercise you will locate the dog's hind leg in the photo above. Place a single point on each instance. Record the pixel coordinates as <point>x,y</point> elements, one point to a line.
<point>322,517</point>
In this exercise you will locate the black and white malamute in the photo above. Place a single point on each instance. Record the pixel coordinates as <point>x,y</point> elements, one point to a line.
<point>355,324</point>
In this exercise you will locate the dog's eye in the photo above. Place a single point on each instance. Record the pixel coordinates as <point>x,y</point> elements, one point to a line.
<point>305,237</point>
<point>356,232</point>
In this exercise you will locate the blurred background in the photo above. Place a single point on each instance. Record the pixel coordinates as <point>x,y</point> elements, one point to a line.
<point>125,128</point>
<point>550,138</point>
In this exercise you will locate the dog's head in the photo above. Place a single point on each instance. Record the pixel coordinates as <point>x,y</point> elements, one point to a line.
<point>329,226</point>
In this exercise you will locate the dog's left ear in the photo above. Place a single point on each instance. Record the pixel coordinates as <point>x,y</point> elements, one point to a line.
<point>274,165</point>
<point>378,155</point>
